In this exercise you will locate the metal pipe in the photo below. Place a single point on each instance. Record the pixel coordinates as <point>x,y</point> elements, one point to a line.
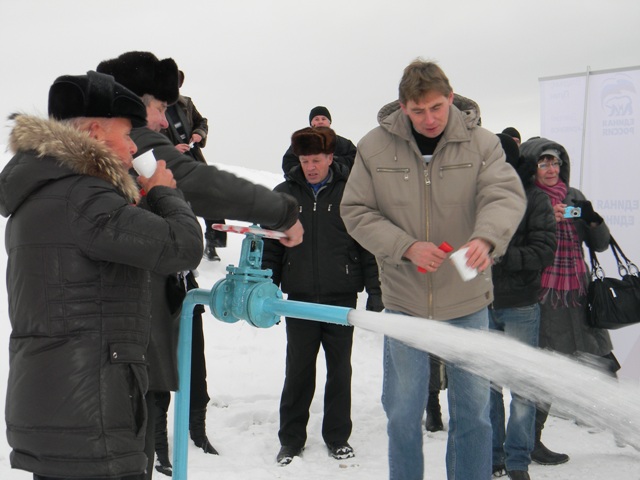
<point>257,308</point>
<point>197,296</point>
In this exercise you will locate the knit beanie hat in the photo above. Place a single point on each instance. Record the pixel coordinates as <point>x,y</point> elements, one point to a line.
<point>512,132</point>
<point>319,110</point>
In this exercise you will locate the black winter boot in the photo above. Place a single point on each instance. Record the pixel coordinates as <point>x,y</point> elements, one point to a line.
<point>162,464</point>
<point>434,414</point>
<point>540,453</point>
<point>210,252</point>
<point>198,432</point>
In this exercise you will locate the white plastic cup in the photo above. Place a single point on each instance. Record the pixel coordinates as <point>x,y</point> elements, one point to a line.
<point>459,259</point>
<point>145,164</point>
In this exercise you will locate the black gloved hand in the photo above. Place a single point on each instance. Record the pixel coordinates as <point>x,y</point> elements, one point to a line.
<point>587,213</point>
<point>374,302</point>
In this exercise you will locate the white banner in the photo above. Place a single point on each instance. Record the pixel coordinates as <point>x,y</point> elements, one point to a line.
<point>596,116</point>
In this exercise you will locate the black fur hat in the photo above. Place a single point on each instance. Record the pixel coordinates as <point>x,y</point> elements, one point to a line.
<point>142,73</point>
<point>94,95</point>
<point>311,141</point>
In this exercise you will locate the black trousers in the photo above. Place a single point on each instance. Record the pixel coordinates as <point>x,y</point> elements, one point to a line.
<point>128,477</point>
<point>304,338</point>
<point>218,238</point>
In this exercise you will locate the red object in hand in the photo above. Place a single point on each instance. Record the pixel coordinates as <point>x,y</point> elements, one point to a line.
<point>445,247</point>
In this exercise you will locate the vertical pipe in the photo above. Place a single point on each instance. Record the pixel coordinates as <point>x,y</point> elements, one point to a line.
<point>197,296</point>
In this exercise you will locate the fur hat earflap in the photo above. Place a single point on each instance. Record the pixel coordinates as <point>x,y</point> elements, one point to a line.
<point>142,73</point>
<point>312,141</point>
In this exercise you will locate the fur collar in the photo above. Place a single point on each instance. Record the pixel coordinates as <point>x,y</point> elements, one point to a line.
<point>73,149</point>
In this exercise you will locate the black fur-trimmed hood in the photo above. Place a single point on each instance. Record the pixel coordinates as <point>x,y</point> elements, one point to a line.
<point>531,149</point>
<point>46,150</point>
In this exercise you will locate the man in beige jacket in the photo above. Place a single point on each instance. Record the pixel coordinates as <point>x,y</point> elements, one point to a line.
<point>430,174</point>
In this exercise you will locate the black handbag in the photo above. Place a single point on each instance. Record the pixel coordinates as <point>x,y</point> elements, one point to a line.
<point>613,302</point>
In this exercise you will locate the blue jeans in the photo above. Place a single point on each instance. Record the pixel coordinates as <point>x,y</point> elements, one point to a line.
<point>404,398</point>
<point>513,447</point>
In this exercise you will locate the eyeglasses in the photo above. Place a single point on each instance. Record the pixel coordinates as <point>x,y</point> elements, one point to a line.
<point>557,163</point>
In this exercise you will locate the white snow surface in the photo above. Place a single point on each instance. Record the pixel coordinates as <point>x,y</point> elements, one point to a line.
<point>245,377</point>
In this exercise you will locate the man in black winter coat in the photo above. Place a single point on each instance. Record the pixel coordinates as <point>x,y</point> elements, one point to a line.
<point>330,268</point>
<point>345,149</point>
<point>212,193</point>
<point>516,312</point>
<point>78,278</point>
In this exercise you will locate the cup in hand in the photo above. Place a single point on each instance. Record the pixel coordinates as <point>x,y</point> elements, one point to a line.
<point>145,164</point>
<point>459,259</point>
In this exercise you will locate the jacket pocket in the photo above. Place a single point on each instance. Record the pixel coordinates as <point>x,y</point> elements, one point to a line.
<point>456,187</point>
<point>459,166</point>
<point>394,187</point>
<point>126,386</point>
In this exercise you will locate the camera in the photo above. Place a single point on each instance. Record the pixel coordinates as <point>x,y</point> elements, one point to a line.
<point>572,212</point>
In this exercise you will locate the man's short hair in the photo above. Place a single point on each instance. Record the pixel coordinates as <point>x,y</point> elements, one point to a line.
<point>421,77</point>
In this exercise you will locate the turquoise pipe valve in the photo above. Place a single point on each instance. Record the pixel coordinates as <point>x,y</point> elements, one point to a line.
<point>246,293</point>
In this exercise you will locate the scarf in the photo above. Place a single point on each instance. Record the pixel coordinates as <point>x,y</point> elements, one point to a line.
<point>564,284</point>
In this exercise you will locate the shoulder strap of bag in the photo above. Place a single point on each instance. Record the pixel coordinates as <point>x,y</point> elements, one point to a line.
<point>597,272</point>
<point>628,268</point>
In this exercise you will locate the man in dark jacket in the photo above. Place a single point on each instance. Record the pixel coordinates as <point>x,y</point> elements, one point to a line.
<point>78,279</point>
<point>345,149</point>
<point>329,268</point>
<point>212,193</point>
<point>188,131</point>
<point>516,312</point>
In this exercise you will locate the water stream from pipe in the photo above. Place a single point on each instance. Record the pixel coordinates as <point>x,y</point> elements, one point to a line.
<point>576,390</point>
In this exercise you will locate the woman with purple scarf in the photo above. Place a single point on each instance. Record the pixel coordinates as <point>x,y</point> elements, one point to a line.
<point>563,319</point>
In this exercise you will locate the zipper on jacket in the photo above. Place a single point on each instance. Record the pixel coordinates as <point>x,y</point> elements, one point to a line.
<point>346,269</point>
<point>427,197</point>
<point>427,178</point>
<point>395,170</point>
<point>453,167</point>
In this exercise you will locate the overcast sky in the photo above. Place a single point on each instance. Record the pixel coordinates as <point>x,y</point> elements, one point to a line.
<point>256,67</point>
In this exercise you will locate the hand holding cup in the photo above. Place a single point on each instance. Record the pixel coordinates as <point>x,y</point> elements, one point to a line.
<point>161,177</point>
<point>145,164</point>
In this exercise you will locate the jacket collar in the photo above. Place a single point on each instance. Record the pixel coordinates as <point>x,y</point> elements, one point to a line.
<point>393,119</point>
<point>72,149</point>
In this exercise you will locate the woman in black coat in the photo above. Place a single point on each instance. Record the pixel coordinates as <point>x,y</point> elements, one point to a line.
<point>563,314</point>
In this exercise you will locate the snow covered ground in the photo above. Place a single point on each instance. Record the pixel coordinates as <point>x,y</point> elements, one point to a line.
<point>246,372</point>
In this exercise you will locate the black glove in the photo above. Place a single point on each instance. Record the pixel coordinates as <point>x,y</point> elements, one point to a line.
<point>374,302</point>
<point>587,213</point>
